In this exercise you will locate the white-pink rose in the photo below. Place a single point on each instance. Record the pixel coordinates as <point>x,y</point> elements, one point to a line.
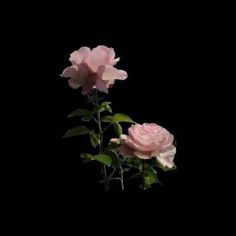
<point>93,69</point>
<point>147,141</point>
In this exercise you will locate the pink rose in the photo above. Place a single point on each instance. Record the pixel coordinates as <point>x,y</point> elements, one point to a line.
<point>147,141</point>
<point>93,69</point>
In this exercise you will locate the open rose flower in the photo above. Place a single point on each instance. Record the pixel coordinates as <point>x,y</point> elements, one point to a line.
<point>147,141</point>
<point>93,69</point>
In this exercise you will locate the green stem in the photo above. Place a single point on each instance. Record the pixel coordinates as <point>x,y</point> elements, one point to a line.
<point>122,178</point>
<point>106,182</point>
<point>107,127</point>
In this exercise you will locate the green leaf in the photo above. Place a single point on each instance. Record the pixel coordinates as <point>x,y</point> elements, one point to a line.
<point>79,112</point>
<point>132,162</point>
<point>105,106</point>
<point>114,157</point>
<point>150,177</point>
<point>79,130</point>
<point>118,129</point>
<point>86,155</point>
<point>113,146</point>
<point>107,119</point>
<point>103,158</point>
<point>121,118</point>
<point>108,108</point>
<point>95,139</point>
<point>105,103</point>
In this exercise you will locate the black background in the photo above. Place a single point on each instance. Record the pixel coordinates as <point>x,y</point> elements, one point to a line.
<point>170,54</point>
<point>163,56</point>
<point>158,67</point>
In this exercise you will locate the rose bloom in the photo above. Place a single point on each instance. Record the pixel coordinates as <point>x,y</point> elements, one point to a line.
<point>147,141</point>
<point>93,69</point>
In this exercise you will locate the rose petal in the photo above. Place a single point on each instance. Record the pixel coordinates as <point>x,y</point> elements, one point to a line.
<point>74,84</point>
<point>99,56</point>
<point>87,88</point>
<point>89,84</point>
<point>131,143</point>
<point>115,61</point>
<point>101,86</point>
<point>143,138</point>
<point>110,74</point>
<point>70,71</point>
<point>77,57</point>
<point>166,158</point>
<point>141,155</point>
<point>126,151</point>
<point>115,140</point>
<point>111,56</point>
<point>168,141</point>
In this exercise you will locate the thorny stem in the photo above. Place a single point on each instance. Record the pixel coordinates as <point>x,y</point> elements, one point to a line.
<point>122,178</point>
<point>107,127</point>
<point>106,182</point>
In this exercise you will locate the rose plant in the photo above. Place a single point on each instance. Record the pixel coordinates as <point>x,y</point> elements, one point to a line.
<point>143,150</point>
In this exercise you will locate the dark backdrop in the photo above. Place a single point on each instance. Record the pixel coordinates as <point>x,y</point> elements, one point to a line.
<point>162,58</point>
<point>170,55</point>
<point>158,68</point>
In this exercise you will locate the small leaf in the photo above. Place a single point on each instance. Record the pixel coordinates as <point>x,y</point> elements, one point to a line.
<point>79,112</point>
<point>118,129</point>
<point>150,177</point>
<point>79,130</point>
<point>95,139</point>
<point>114,158</point>
<point>86,155</point>
<point>132,162</point>
<point>113,146</point>
<point>107,119</point>
<point>105,106</point>
<point>122,118</point>
<point>105,103</point>
<point>103,158</point>
<point>108,108</point>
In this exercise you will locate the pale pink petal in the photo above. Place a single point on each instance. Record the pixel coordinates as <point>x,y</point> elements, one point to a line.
<point>115,61</point>
<point>128,141</point>
<point>166,158</point>
<point>79,74</point>
<point>110,74</point>
<point>111,56</point>
<point>168,141</point>
<point>70,71</point>
<point>74,84</point>
<point>126,151</point>
<point>142,138</point>
<point>142,155</point>
<point>89,84</point>
<point>87,88</point>
<point>101,86</point>
<point>84,70</point>
<point>115,140</point>
<point>99,56</point>
<point>77,57</point>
